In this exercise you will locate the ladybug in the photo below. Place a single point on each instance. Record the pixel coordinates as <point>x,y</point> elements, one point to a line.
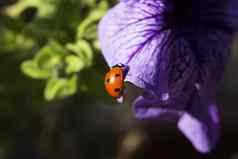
<point>114,80</point>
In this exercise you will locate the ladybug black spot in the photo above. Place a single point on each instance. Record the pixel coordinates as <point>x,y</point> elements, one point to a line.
<point>108,80</point>
<point>117,75</point>
<point>117,89</point>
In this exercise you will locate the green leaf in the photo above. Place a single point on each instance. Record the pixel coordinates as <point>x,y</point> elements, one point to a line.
<point>46,63</point>
<point>88,2</point>
<point>31,69</point>
<point>70,87</point>
<point>45,7</point>
<point>74,64</point>
<point>96,44</point>
<point>95,15</point>
<point>53,88</point>
<point>83,49</point>
<point>91,32</point>
<point>60,87</point>
<point>50,56</point>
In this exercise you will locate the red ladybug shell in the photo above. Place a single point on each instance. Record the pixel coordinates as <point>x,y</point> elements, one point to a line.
<point>114,81</point>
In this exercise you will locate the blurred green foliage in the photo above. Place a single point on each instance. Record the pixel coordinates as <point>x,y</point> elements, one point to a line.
<point>48,51</point>
<point>57,40</point>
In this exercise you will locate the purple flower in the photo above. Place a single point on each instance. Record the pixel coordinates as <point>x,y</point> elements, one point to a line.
<point>176,52</point>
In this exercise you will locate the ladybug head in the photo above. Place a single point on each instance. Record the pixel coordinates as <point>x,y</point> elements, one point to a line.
<point>124,67</point>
